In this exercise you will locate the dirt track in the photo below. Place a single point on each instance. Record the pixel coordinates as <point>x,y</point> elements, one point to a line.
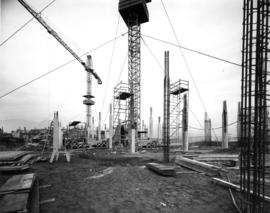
<point>129,188</point>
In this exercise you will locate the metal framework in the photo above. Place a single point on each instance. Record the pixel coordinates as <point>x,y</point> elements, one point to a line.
<point>134,71</point>
<point>177,91</point>
<point>121,98</point>
<point>255,99</point>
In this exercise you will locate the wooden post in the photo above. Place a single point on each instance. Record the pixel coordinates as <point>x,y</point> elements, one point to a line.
<point>224,126</point>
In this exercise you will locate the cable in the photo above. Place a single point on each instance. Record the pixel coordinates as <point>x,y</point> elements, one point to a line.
<point>120,74</point>
<point>184,58</point>
<point>232,197</point>
<point>195,117</point>
<point>110,67</point>
<point>195,51</point>
<point>191,127</point>
<point>152,54</point>
<point>13,34</point>
<point>57,68</point>
<point>230,124</point>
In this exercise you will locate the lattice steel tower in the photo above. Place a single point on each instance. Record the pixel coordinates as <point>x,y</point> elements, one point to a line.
<point>134,13</point>
<point>255,100</point>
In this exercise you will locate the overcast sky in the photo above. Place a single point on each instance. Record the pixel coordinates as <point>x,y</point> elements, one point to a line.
<point>209,26</point>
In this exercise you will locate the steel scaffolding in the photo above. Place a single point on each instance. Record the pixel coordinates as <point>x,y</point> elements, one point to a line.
<point>121,96</point>
<point>177,91</point>
<point>255,99</point>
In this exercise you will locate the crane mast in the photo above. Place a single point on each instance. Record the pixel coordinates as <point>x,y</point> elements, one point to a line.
<point>38,17</point>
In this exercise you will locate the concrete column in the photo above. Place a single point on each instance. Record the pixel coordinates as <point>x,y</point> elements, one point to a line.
<point>99,126</point>
<point>151,123</point>
<point>110,128</point>
<point>166,111</point>
<point>93,127</point>
<point>158,129</point>
<point>133,140</point>
<point>185,124</point>
<point>224,126</point>
<point>207,128</point>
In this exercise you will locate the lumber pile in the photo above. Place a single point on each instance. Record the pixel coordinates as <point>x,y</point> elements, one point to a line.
<point>161,169</point>
<point>198,166</point>
<point>15,161</point>
<point>20,194</point>
<point>214,157</point>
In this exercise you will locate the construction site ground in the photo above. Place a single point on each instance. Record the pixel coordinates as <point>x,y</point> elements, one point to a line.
<point>79,186</point>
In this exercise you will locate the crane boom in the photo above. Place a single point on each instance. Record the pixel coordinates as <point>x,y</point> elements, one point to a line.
<point>38,17</point>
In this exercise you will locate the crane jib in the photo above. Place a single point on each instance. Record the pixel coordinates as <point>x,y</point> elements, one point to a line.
<point>57,37</point>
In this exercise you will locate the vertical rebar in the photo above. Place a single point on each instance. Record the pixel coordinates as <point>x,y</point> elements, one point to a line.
<point>166,111</point>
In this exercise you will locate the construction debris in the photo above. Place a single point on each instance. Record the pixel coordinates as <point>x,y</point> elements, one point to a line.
<point>21,194</point>
<point>11,155</point>
<point>102,173</point>
<point>16,161</point>
<point>161,169</point>
<point>47,201</point>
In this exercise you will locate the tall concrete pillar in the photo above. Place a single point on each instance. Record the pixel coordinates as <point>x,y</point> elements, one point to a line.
<point>225,126</point>
<point>57,139</point>
<point>151,123</point>
<point>99,126</point>
<point>207,128</point>
<point>110,128</point>
<point>185,124</point>
<point>133,141</point>
<point>166,111</point>
<point>158,129</point>
<point>93,127</point>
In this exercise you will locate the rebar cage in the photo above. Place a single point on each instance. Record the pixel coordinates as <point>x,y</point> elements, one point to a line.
<point>254,104</point>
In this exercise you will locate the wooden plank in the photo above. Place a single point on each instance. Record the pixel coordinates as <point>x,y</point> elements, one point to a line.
<point>19,182</point>
<point>12,155</point>
<point>209,169</point>
<point>34,202</point>
<point>161,169</point>
<point>14,203</point>
<point>24,159</point>
<point>12,168</point>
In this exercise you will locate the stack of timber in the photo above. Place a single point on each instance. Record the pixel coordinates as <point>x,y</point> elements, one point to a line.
<point>198,166</point>
<point>15,161</point>
<point>161,169</point>
<point>20,194</point>
<point>214,157</point>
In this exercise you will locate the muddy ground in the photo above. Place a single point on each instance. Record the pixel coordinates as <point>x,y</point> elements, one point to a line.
<point>129,188</point>
<point>79,187</point>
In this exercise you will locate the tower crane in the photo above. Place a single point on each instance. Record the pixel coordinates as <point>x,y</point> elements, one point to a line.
<point>38,17</point>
